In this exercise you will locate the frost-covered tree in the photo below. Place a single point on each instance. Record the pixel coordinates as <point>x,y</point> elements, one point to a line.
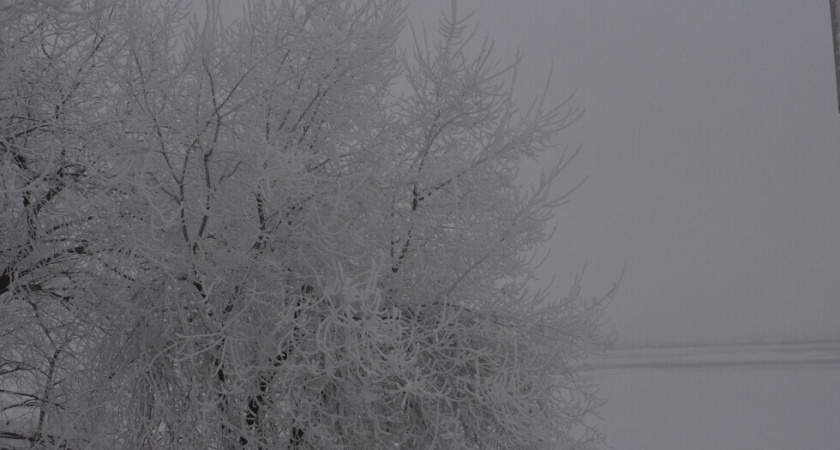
<point>241,237</point>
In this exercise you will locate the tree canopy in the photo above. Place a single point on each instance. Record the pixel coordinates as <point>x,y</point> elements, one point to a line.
<point>244,236</point>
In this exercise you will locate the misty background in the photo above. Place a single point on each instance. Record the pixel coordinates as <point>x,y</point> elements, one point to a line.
<point>710,142</point>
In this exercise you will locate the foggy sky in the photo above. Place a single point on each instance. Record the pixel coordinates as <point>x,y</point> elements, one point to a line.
<point>712,146</point>
<point>711,142</point>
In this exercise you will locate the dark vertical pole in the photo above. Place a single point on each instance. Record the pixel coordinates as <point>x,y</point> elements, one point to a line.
<point>835,35</point>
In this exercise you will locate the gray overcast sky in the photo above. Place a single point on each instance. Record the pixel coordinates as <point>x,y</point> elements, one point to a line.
<point>712,145</point>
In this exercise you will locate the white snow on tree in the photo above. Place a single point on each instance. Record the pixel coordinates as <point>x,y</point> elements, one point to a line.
<point>238,236</point>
